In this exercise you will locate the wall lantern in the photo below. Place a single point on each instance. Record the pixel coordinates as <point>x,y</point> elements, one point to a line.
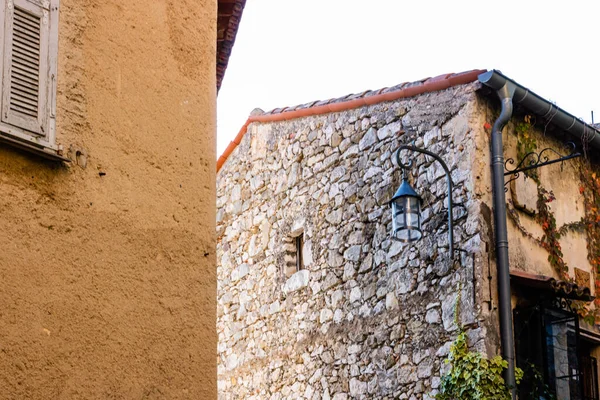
<point>406,213</point>
<point>406,203</point>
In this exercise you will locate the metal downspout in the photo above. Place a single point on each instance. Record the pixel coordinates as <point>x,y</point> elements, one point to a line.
<point>505,93</point>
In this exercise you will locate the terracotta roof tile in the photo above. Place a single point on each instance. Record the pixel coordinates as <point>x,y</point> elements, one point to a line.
<point>229,15</point>
<point>438,78</point>
<point>560,288</point>
<point>370,93</point>
<point>350,101</point>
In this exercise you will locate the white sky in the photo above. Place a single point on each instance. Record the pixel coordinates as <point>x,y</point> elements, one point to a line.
<point>289,52</point>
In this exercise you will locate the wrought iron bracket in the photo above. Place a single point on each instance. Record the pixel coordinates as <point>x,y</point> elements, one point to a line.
<point>535,160</point>
<point>450,184</point>
<point>562,303</point>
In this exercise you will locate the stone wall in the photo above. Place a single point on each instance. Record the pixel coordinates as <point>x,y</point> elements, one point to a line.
<point>368,317</point>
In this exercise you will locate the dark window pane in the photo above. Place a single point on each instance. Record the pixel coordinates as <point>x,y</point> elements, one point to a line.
<point>561,354</point>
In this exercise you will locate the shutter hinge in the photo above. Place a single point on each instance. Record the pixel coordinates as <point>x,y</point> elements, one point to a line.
<point>9,4</point>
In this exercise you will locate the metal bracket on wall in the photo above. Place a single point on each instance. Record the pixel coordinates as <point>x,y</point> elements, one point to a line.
<point>535,160</point>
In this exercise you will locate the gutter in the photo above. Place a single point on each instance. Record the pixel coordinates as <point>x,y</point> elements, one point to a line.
<point>557,116</point>
<point>430,85</point>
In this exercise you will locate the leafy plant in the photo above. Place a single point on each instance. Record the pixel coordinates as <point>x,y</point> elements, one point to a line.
<point>526,144</point>
<point>472,376</point>
<point>535,381</point>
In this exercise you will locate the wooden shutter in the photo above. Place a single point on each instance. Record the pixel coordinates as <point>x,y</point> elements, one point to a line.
<point>26,65</point>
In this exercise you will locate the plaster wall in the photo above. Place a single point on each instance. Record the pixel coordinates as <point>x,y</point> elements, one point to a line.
<point>563,180</point>
<point>108,268</point>
<point>368,317</point>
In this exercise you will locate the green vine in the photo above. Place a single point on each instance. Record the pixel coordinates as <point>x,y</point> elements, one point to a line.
<point>577,226</point>
<point>472,376</point>
<point>538,389</point>
<point>526,144</point>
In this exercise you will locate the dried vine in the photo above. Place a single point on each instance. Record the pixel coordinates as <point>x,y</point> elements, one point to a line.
<point>550,240</point>
<point>590,190</point>
<point>514,216</point>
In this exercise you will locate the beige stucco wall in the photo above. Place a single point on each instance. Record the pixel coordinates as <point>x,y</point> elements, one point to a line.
<point>108,282</point>
<point>564,181</point>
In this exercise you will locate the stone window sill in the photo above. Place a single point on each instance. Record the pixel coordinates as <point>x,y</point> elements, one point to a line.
<point>296,282</point>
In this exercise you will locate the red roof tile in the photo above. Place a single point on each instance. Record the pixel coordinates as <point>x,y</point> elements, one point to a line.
<point>547,283</point>
<point>404,90</point>
<point>229,15</point>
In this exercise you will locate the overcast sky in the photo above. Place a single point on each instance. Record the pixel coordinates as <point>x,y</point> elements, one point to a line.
<point>289,52</point>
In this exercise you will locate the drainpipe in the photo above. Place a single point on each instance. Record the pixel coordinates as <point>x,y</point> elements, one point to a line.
<point>505,93</point>
<point>511,92</point>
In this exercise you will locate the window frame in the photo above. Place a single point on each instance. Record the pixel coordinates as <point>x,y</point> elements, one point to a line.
<point>293,253</point>
<point>532,322</point>
<point>44,145</point>
<point>299,240</point>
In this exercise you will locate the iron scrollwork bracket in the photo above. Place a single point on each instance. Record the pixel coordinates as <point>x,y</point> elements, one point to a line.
<point>562,303</point>
<point>450,184</point>
<point>535,160</point>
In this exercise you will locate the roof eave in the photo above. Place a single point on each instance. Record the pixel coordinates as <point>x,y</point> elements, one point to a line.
<point>539,106</point>
<point>366,98</point>
<point>229,15</point>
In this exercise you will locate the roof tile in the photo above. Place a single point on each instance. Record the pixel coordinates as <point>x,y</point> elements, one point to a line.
<point>368,97</point>
<point>228,22</point>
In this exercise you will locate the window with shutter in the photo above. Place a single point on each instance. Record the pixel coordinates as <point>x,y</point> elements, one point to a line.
<point>30,32</point>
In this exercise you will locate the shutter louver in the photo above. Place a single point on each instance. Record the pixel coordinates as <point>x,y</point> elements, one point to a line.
<point>25,66</point>
<point>24,79</point>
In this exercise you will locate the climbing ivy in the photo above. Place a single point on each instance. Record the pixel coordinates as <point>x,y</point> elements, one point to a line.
<point>550,242</point>
<point>526,144</point>
<point>472,376</point>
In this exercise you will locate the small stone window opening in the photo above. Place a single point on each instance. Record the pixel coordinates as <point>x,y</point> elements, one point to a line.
<point>293,257</point>
<point>299,245</point>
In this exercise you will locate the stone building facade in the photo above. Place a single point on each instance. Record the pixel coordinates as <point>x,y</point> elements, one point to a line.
<point>108,268</point>
<point>315,301</point>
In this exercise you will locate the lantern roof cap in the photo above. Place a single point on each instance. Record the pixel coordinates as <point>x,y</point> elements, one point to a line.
<point>405,190</point>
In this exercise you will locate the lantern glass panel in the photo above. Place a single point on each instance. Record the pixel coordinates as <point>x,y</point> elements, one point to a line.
<point>406,219</point>
<point>398,221</point>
